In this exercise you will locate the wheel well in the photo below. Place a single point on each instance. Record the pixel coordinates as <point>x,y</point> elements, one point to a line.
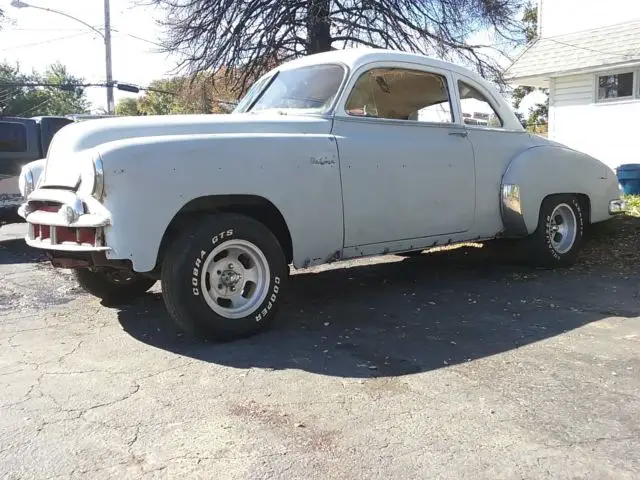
<point>583,199</point>
<point>258,208</point>
<point>585,203</point>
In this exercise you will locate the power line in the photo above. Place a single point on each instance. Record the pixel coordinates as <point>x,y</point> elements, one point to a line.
<point>137,38</point>
<point>146,40</point>
<point>125,87</point>
<point>62,86</point>
<point>33,109</point>
<point>21,29</point>
<point>44,42</point>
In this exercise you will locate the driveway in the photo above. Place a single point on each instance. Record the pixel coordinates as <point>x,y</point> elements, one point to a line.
<point>444,366</point>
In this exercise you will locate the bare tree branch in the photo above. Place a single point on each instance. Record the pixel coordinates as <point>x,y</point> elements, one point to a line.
<point>244,38</point>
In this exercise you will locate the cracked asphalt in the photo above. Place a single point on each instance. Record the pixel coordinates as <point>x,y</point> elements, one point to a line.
<point>445,366</point>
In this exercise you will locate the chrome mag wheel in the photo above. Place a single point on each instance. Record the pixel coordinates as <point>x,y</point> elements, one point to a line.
<point>235,278</point>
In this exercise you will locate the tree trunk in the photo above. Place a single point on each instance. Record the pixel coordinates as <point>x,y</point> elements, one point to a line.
<point>318,26</point>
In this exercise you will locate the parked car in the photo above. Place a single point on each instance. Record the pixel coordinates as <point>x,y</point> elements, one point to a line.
<point>333,156</point>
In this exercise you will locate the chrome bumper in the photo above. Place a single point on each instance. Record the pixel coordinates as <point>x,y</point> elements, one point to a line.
<point>68,223</point>
<point>617,206</point>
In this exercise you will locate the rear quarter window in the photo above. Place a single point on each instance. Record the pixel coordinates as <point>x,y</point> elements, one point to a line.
<point>13,137</point>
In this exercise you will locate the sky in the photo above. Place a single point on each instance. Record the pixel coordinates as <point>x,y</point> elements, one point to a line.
<point>36,38</point>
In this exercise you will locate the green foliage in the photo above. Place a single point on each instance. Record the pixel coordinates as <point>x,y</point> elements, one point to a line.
<point>127,107</point>
<point>180,95</point>
<point>633,205</point>
<point>157,103</point>
<point>530,22</point>
<point>539,113</point>
<point>34,101</point>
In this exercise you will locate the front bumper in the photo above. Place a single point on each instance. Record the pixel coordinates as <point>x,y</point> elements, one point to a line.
<point>62,220</point>
<point>617,206</point>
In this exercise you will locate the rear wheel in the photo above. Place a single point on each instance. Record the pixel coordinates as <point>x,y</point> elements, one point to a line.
<point>113,286</point>
<point>224,278</point>
<point>556,241</point>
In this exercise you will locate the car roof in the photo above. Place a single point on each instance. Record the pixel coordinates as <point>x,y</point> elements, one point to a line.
<point>356,57</point>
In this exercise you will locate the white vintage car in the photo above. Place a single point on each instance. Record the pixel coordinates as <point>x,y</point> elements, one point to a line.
<point>329,157</point>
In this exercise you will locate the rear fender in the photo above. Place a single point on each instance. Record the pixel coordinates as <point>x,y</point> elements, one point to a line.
<point>541,171</point>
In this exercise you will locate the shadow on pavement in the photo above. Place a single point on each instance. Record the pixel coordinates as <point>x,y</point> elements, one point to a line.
<point>15,251</point>
<point>13,248</point>
<point>399,318</point>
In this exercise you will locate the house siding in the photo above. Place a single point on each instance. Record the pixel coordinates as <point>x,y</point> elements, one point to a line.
<point>607,131</point>
<point>559,17</point>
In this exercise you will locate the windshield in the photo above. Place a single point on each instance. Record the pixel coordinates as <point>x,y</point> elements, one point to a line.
<point>311,88</point>
<point>255,89</point>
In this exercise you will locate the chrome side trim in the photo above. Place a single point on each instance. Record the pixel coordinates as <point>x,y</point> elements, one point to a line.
<point>98,189</point>
<point>511,211</point>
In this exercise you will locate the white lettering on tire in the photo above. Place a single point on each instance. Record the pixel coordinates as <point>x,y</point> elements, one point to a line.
<point>272,300</point>
<point>222,236</point>
<point>195,278</point>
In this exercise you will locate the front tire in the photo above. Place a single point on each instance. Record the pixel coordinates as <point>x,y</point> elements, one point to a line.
<point>556,241</point>
<point>224,278</point>
<point>113,286</point>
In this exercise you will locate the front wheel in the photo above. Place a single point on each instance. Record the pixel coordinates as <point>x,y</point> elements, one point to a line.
<point>113,286</point>
<point>556,241</point>
<point>224,278</point>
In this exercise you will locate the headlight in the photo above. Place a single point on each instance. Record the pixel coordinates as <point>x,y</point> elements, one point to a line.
<point>92,178</point>
<point>26,183</point>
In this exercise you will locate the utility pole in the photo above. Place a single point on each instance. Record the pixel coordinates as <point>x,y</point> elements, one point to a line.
<point>106,35</point>
<point>111,107</point>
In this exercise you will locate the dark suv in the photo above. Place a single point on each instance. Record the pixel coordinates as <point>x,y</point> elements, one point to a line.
<point>23,140</point>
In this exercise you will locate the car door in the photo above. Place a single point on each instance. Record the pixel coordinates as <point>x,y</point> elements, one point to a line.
<point>494,145</point>
<point>407,167</point>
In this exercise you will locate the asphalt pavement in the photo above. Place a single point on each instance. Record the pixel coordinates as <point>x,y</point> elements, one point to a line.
<point>449,365</point>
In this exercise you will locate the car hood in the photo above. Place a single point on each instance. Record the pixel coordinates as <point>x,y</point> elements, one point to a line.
<point>69,143</point>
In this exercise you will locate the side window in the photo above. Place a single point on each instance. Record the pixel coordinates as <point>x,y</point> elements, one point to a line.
<point>13,137</point>
<point>401,94</point>
<point>476,110</point>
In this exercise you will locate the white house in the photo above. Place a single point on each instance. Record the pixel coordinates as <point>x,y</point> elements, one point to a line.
<point>588,55</point>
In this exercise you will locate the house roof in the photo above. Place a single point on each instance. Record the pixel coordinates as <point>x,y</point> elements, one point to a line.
<point>589,50</point>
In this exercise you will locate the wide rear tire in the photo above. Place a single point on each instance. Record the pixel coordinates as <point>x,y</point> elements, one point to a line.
<point>556,241</point>
<point>224,277</point>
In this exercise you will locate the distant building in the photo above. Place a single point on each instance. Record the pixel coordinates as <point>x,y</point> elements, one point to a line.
<point>588,55</point>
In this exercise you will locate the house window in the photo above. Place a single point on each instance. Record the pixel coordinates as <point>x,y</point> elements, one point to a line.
<point>401,94</point>
<point>615,86</point>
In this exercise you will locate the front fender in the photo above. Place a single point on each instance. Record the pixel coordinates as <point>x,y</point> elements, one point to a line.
<point>545,170</point>
<point>148,181</point>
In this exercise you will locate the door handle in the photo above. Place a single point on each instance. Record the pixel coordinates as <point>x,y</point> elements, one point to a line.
<point>459,134</point>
